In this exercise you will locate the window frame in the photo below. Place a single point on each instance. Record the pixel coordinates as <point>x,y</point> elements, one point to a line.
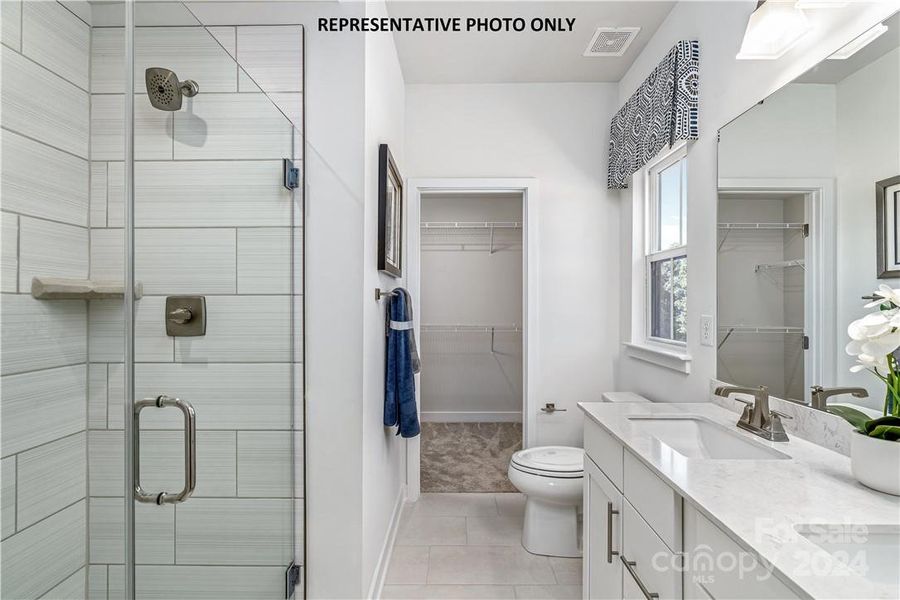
<point>675,155</point>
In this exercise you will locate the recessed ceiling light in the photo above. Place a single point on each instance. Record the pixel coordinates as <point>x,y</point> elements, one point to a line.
<point>774,27</point>
<point>611,41</point>
<point>859,43</point>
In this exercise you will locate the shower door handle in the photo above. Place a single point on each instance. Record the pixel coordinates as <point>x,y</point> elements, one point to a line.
<point>190,450</point>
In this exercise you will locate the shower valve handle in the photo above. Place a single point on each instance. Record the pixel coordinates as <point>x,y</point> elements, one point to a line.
<point>181,315</point>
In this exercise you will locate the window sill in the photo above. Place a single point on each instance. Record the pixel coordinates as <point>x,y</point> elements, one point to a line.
<point>659,355</point>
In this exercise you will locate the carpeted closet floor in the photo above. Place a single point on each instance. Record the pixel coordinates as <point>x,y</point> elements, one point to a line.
<point>468,457</point>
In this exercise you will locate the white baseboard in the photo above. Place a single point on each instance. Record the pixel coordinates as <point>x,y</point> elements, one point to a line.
<point>384,559</point>
<point>471,417</point>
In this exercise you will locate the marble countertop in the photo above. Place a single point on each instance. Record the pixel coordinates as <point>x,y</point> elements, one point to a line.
<point>758,502</point>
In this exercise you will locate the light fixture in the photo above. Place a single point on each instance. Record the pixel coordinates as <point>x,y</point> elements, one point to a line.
<point>774,27</point>
<point>859,43</point>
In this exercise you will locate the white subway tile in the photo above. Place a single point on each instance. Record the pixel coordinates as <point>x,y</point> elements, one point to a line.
<point>108,254</point>
<point>80,8</point>
<point>51,477</point>
<point>48,249</point>
<point>227,37</point>
<point>272,56</point>
<point>42,406</point>
<point>115,189</point>
<point>223,583</point>
<point>71,588</point>
<point>152,129</point>
<point>107,61</point>
<point>291,104</point>
<point>264,260</point>
<point>241,329</point>
<point>8,496</point>
<point>231,126</point>
<point>37,334</point>
<point>58,40</point>
<point>97,576</point>
<point>264,463</point>
<point>154,532</point>
<point>37,559</point>
<point>40,104</point>
<point>98,384</point>
<point>98,193</point>
<point>41,181</point>
<point>162,462</point>
<point>9,229</point>
<point>106,342</point>
<point>11,19</point>
<point>234,531</point>
<point>211,194</point>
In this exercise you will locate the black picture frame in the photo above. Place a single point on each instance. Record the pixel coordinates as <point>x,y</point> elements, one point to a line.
<point>887,205</point>
<point>390,214</point>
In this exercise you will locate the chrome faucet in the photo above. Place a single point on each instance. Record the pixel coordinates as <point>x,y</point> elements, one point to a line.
<point>757,417</point>
<point>820,395</point>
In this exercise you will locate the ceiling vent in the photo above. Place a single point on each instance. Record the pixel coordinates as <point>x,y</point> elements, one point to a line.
<point>611,41</point>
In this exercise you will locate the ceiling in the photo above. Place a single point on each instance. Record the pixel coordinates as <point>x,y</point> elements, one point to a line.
<point>521,57</point>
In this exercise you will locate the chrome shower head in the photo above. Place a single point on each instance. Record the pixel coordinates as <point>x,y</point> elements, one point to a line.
<point>164,89</point>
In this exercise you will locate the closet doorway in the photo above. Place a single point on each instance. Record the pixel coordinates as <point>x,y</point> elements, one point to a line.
<point>470,255</point>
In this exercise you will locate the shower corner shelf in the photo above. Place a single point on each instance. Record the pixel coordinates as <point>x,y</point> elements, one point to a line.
<point>59,288</point>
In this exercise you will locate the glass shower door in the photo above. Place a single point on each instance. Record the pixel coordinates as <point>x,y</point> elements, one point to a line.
<point>216,362</point>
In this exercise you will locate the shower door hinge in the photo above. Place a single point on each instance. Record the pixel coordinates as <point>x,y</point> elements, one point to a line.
<point>291,175</point>
<point>806,342</point>
<point>806,230</point>
<point>291,579</point>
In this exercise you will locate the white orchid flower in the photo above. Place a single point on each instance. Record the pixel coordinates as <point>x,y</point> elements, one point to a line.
<point>887,294</point>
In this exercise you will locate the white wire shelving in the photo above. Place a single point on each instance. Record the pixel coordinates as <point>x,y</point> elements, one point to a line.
<point>467,235</point>
<point>491,330</point>
<point>784,264</point>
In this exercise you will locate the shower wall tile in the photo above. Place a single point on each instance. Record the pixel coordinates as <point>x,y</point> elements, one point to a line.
<point>42,406</point>
<point>291,104</point>
<point>41,181</point>
<point>227,37</point>
<point>264,260</point>
<point>229,583</point>
<point>170,261</point>
<point>8,496</point>
<point>71,588</point>
<point>191,52</point>
<point>272,56</point>
<point>97,576</point>
<point>152,129</point>
<point>98,194</point>
<point>80,8</point>
<point>115,391</point>
<point>107,331</point>
<point>28,90</point>
<point>49,249</point>
<point>9,275</point>
<point>98,400</point>
<point>58,40</point>
<point>241,329</point>
<point>50,477</point>
<point>264,463</point>
<point>225,396</point>
<point>154,529</point>
<point>232,126</point>
<point>219,531</point>
<point>115,194</point>
<point>37,334</point>
<point>11,17</point>
<point>162,462</point>
<point>211,194</point>
<point>37,559</point>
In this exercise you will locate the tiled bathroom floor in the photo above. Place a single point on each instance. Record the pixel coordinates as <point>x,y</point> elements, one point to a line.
<point>469,546</point>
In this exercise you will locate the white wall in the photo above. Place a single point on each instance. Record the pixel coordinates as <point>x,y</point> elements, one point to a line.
<point>557,133</point>
<point>727,88</point>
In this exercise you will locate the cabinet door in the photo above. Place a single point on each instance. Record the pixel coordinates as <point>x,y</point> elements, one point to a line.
<point>602,535</point>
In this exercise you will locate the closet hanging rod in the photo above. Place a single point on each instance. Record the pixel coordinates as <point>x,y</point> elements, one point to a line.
<point>778,226</point>
<point>471,328</point>
<point>471,225</point>
<point>759,329</point>
<point>781,265</point>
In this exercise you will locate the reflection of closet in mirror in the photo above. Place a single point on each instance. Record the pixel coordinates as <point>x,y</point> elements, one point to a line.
<point>761,273</point>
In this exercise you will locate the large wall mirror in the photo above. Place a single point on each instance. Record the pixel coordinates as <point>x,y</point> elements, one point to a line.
<point>797,221</point>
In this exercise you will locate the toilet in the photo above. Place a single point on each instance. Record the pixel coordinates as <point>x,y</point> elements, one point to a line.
<point>551,479</point>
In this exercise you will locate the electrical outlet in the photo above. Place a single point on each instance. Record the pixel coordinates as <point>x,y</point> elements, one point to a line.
<point>707,333</point>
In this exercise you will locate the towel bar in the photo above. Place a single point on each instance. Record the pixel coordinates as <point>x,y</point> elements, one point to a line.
<point>380,293</point>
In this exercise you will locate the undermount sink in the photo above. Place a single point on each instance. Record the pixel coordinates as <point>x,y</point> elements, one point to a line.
<point>871,551</point>
<point>699,438</point>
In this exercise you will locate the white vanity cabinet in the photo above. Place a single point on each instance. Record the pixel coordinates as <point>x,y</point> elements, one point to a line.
<point>602,536</point>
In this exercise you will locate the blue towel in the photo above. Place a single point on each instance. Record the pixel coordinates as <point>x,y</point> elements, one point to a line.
<point>399,382</point>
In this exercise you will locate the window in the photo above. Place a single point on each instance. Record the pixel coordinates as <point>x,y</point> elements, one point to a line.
<point>666,252</point>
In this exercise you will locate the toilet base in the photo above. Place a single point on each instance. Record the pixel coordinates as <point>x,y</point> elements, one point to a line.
<point>551,528</point>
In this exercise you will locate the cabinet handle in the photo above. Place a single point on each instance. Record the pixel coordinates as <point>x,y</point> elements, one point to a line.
<point>630,564</point>
<point>610,511</point>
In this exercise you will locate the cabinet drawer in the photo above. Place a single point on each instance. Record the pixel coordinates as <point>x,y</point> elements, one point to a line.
<point>604,450</point>
<point>650,560</point>
<point>657,503</point>
<point>704,543</point>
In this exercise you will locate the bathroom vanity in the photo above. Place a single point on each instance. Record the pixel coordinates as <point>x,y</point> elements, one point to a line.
<point>680,503</point>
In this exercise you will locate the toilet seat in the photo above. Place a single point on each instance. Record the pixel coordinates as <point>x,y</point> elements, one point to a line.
<point>560,462</point>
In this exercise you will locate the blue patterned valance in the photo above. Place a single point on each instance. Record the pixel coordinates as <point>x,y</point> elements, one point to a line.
<point>661,111</point>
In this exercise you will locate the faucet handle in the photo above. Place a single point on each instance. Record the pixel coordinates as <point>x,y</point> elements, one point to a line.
<point>780,414</point>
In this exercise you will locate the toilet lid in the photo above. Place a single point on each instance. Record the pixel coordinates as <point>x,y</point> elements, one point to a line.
<point>551,459</point>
